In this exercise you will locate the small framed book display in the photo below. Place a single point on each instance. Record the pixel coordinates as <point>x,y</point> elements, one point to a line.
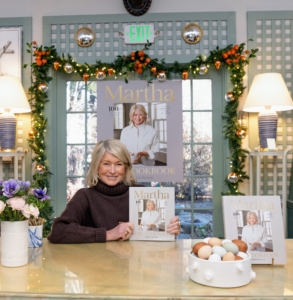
<point>257,220</point>
<point>150,211</point>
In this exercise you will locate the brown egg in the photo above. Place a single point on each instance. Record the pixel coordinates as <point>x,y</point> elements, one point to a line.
<point>229,256</point>
<point>241,245</point>
<point>197,246</point>
<point>238,257</point>
<point>205,252</point>
<point>214,242</point>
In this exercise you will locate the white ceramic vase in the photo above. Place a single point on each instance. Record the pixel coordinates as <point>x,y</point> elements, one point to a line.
<point>35,236</point>
<point>14,243</point>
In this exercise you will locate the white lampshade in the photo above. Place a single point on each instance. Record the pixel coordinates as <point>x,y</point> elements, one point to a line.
<point>12,100</point>
<point>268,90</point>
<point>267,95</point>
<point>12,95</point>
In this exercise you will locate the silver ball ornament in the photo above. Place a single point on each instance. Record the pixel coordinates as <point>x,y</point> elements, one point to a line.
<point>241,133</point>
<point>43,87</point>
<point>161,76</point>
<point>203,69</point>
<point>233,177</point>
<point>68,68</point>
<point>100,75</point>
<point>229,97</point>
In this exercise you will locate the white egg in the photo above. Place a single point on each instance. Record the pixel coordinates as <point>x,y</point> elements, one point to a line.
<point>225,241</point>
<point>242,254</point>
<point>215,257</point>
<point>206,240</point>
<point>219,250</point>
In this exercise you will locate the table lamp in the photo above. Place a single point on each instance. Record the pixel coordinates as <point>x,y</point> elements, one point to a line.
<point>267,95</point>
<point>12,100</point>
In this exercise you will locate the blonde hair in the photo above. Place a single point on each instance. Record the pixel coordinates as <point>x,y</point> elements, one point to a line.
<point>140,108</point>
<point>151,202</point>
<point>252,214</point>
<point>115,148</point>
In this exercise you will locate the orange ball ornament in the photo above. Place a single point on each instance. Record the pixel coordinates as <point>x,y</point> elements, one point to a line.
<point>154,70</point>
<point>85,77</point>
<point>56,65</point>
<point>184,75</point>
<point>217,64</point>
<point>39,62</point>
<point>110,71</point>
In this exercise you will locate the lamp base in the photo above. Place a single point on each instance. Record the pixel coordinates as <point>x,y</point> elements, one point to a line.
<point>267,127</point>
<point>7,131</point>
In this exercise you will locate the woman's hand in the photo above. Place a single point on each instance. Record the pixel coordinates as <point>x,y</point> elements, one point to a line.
<point>151,226</point>
<point>255,244</point>
<point>174,226</point>
<point>139,155</point>
<point>122,232</point>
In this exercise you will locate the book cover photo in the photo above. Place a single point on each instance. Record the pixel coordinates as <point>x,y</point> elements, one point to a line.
<point>258,221</point>
<point>150,211</point>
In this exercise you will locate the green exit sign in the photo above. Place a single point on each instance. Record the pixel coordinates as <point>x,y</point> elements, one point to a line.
<point>139,34</point>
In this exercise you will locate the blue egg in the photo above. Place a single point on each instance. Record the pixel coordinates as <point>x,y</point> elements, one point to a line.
<point>231,247</point>
<point>219,250</point>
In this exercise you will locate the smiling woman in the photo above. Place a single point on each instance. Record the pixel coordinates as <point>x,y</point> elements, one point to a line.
<point>100,213</point>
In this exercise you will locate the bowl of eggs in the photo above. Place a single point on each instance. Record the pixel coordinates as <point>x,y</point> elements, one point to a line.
<point>220,263</point>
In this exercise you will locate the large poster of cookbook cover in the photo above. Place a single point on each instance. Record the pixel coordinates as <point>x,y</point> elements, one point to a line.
<point>147,118</point>
<point>256,220</point>
<point>150,212</point>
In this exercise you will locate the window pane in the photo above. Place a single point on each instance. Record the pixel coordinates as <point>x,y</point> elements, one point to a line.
<point>91,96</point>
<point>186,159</point>
<point>202,127</point>
<point>202,224</point>
<point>186,95</point>
<point>75,96</point>
<point>203,192</point>
<point>202,160</point>
<point>73,185</point>
<point>202,94</point>
<point>75,128</point>
<point>92,128</point>
<point>75,160</point>
<point>182,191</point>
<point>186,116</point>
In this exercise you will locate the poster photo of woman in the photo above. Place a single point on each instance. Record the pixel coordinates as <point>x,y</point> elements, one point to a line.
<point>255,230</point>
<point>144,132</point>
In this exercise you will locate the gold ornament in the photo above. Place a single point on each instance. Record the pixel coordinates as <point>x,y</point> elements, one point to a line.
<point>43,87</point>
<point>217,64</point>
<point>229,97</point>
<point>203,69</point>
<point>85,77</point>
<point>56,65</point>
<point>68,68</point>
<point>241,133</point>
<point>233,177</point>
<point>40,168</point>
<point>184,75</point>
<point>31,134</point>
<point>100,75</point>
<point>154,70</point>
<point>110,71</point>
<point>161,76</point>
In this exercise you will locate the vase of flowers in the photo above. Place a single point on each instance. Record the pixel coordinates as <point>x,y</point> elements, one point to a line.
<point>20,206</point>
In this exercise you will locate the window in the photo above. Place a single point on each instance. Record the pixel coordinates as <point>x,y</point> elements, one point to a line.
<point>198,196</point>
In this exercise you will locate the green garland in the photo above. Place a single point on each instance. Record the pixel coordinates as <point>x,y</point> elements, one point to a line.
<point>235,58</point>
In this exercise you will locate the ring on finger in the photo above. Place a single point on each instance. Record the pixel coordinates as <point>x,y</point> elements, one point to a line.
<point>179,224</point>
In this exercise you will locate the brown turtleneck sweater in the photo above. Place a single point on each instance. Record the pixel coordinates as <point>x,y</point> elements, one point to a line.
<point>90,213</point>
